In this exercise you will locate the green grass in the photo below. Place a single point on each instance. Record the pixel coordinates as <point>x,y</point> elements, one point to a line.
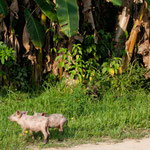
<point>117,117</point>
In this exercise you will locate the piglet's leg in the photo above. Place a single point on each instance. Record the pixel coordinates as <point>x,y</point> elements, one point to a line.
<point>61,128</point>
<point>47,131</point>
<point>31,133</point>
<point>23,131</point>
<point>44,131</point>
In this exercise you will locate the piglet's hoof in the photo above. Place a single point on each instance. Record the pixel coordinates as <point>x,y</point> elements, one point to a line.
<point>45,141</point>
<point>60,130</point>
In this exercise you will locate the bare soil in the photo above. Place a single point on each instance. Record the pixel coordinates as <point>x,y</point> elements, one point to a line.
<point>129,144</point>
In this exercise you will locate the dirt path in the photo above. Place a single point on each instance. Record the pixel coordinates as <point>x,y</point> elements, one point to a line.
<point>141,144</point>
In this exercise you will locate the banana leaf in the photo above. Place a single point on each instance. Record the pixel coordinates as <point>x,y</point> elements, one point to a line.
<point>117,2</point>
<point>68,16</point>
<point>47,9</point>
<point>35,30</point>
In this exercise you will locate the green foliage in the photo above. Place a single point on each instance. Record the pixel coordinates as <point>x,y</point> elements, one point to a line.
<point>105,46</point>
<point>50,79</point>
<point>47,9</point>
<point>15,76</point>
<point>112,66</point>
<point>68,16</point>
<point>128,81</point>
<point>114,116</point>
<point>83,60</point>
<point>117,2</point>
<point>3,8</point>
<point>75,63</point>
<point>19,77</point>
<point>6,53</point>
<point>35,30</point>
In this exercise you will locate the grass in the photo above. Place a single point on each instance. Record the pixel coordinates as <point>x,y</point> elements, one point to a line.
<point>117,117</point>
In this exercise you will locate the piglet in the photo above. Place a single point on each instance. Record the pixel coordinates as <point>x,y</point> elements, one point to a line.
<point>33,123</point>
<point>55,120</point>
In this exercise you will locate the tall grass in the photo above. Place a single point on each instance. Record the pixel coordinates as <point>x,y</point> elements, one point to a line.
<point>112,116</point>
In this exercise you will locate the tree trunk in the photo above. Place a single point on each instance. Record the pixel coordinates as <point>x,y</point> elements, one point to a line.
<point>122,26</point>
<point>130,44</point>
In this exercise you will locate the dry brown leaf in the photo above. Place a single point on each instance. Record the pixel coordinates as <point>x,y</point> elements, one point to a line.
<point>79,38</point>
<point>25,2</point>
<point>3,28</point>
<point>13,42</point>
<point>146,25</point>
<point>14,8</point>
<point>48,66</point>
<point>33,59</point>
<point>144,50</point>
<point>144,46</point>
<point>146,60</point>
<point>25,39</point>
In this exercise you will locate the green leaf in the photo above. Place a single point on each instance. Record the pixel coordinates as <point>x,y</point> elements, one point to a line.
<point>3,8</point>
<point>35,30</point>
<point>58,57</point>
<point>62,50</point>
<point>104,70</point>
<point>69,60</point>
<point>80,78</point>
<point>47,9</point>
<point>80,70</point>
<point>68,16</point>
<point>105,64</point>
<point>126,34</point>
<point>113,62</point>
<point>67,66</point>
<point>77,56</point>
<point>2,60</point>
<point>73,72</point>
<point>116,66</point>
<point>68,53</point>
<point>64,57</point>
<point>117,2</point>
<point>61,64</point>
<point>148,4</point>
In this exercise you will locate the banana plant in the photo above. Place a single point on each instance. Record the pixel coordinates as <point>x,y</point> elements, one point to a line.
<point>67,14</point>
<point>130,44</point>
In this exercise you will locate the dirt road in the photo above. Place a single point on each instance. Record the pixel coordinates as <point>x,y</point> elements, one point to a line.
<point>141,144</point>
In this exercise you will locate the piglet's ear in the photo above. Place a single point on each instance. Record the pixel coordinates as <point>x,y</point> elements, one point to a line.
<point>44,114</point>
<point>18,112</point>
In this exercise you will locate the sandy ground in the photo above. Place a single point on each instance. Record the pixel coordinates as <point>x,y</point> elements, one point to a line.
<point>141,144</point>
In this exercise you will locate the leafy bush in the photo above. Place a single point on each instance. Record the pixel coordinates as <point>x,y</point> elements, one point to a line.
<point>76,64</point>
<point>112,66</point>
<point>50,79</point>
<point>16,76</point>
<point>19,77</point>
<point>6,53</point>
<point>83,60</point>
<point>128,81</point>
